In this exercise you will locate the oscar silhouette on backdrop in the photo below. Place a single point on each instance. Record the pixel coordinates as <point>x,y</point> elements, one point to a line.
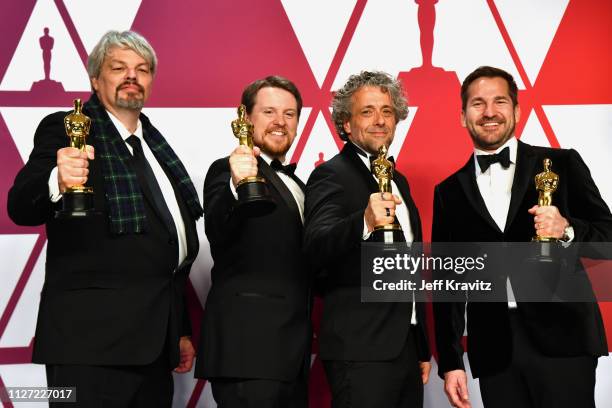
<point>321,160</point>
<point>47,85</point>
<point>433,91</point>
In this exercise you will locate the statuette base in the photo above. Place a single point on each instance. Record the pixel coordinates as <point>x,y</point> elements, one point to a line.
<point>253,197</point>
<point>388,234</point>
<point>77,202</point>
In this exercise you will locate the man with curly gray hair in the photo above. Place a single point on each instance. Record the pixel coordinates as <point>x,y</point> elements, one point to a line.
<point>374,354</point>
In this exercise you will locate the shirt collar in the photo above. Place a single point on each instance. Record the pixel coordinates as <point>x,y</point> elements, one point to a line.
<point>123,132</point>
<point>511,143</point>
<point>362,154</point>
<point>269,159</point>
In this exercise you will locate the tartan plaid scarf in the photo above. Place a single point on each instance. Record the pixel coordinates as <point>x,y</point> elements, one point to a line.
<point>123,193</point>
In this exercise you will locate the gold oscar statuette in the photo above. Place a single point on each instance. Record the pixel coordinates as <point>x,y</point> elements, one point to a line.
<point>253,195</point>
<point>77,200</point>
<point>383,170</point>
<point>546,183</point>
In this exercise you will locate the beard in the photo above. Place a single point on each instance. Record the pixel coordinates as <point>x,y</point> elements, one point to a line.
<point>133,101</point>
<point>482,139</point>
<point>276,149</point>
<point>130,103</point>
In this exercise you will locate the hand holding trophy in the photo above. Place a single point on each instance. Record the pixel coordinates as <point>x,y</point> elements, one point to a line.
<point>253,195</point>
<point>546,183</point>
<point>383,170</point>
<point>77,200</point>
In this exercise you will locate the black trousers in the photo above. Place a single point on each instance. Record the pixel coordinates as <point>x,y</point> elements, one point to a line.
<point>534,380</point>
<point>115,386</point>
<point>395,383</point>
<point>259,393</point>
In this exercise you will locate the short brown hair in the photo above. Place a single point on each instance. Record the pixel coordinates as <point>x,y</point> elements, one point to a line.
<point>489,72</point>
<point>249,93</point>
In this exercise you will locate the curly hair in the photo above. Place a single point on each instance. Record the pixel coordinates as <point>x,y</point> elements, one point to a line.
<point>342,102</point>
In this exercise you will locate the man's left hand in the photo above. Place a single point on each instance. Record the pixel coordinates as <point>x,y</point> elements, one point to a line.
<point>187,353</point>
<point>425,367</point>
<point>548,222</point>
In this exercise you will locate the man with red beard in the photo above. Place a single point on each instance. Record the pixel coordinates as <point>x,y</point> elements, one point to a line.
<point>375,354</point>
<point>112,319</point>
<point>525,354</point>
<point>255,341</point>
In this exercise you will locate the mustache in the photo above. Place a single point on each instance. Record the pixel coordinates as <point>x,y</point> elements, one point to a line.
<point>277,128</point>
<point>130,82</point>
<point>378,129</point>
<point>497,119</point>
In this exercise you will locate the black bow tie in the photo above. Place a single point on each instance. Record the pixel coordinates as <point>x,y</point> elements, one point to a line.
<point>289,169</point>
<point>486,160</point>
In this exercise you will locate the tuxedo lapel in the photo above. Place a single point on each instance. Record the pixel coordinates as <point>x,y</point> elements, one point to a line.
<point>404,190</point>
<point>525,163</point>
<point>191,233</point>
<point>353,157</point>
<point>298,181</point>
<point>467,178</point>
<point>401,182</point>
<point>275,182</point>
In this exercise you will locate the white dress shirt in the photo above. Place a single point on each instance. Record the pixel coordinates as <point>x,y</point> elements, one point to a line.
<point>403,218</point>
<point>294,188</point>
<point>495,186</point>
<point>160,175</point>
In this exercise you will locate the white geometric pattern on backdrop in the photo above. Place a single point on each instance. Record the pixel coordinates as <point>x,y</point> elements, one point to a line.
<point>319,44</point>
<point>92,25</point>
<point>15,250</point>
<point>22,122</point>
<point>26,65</point>
<point>320,141</point>
<point>20,329</point>
<point>533,132</point>
<point>474,41</point>
<point>532,26</point>
<point>383,40</point>
<point>587,129</point>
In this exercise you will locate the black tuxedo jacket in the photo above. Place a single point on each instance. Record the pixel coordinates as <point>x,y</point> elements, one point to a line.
<point>256,322</point>
<point>107,299</point>
<point>460,215</point>
<point>337,195</point>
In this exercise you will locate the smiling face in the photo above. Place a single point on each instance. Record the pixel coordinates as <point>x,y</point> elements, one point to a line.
<point>372,123</point>
<point>125,80</point>
<point>489,115</point>
<point>275,118</point>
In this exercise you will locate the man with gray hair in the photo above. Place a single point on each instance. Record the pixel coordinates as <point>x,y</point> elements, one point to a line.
<point>374,354</point>
<point>112,319</point>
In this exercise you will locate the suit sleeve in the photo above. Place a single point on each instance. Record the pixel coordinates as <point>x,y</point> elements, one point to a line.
<point>589,214</point>
<point>329,231</point>
<point>28,199</point>
<point>220,219</point>
<point>448,316</point>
